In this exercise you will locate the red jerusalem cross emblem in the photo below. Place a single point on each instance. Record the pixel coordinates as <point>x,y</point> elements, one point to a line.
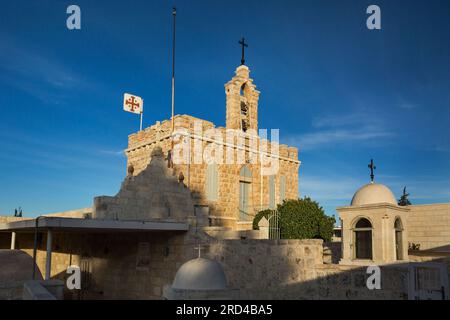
<point>132,103</point>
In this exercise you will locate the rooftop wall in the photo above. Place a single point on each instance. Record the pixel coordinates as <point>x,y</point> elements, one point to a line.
<point>429,226</point>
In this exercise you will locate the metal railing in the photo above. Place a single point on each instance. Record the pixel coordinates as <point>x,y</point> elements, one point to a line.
<point>274,225</point>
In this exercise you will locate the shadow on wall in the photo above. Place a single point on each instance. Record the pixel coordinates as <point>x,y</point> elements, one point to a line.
<point>16,268</point>
<point>283,269</point>
<point>139,265</point>
<point>332,252</point>
<point>434,250</point>
<point>116,266</point>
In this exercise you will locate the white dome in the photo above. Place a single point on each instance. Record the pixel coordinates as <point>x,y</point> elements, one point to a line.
<point>373,193</point>
<point>200,274</point>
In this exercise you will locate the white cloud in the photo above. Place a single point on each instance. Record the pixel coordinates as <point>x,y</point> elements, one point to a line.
<point>329,188</point>
<point>27,63</point>
<point>441,148</point>
<point>118,153</point>
<point>341,129</point>
<point>322,138</point>
<point>407,106</point>
<point>339,120</point>
<point>39,74</point>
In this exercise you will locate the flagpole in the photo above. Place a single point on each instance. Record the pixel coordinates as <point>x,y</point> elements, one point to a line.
<point>174,14</point>
<point>142,114</point>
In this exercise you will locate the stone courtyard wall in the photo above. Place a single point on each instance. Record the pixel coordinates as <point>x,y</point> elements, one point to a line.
<point>141,265</point>
<point>115,266</point>
<point>259,267</point>
<point>294,269</point>
<point>429,226</point>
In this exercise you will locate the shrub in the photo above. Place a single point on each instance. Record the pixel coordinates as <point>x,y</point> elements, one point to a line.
<point>259,216</point>
<point>304,219</point>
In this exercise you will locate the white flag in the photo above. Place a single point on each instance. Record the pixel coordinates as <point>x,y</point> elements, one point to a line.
<point>132,103</point>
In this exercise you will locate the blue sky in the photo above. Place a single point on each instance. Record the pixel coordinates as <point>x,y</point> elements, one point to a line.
<point>339,92</point>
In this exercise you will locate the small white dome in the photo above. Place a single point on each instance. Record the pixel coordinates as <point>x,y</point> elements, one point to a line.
<point>200,274</point>
<point>373,193</point>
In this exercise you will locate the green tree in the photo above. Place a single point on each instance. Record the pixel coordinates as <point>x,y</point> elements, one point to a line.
<point>304,219</point>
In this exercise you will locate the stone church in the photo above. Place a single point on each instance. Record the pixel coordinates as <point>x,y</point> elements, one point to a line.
<point>233,192</point>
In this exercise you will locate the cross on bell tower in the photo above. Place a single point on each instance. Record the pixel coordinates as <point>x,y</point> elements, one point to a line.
<point>372,167</point>
<point>242,98</point>
<point>244,45</point>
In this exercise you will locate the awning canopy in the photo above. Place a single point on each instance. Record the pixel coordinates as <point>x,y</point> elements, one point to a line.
<point>92,225</point>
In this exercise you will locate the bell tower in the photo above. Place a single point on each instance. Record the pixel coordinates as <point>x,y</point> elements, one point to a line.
<point>242,101</point>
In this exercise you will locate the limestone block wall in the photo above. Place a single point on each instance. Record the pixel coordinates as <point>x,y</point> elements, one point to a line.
<point>141,265</point>
<point>429,226</point>
<point>15,269</point>
<point>294,269</point>
<point>241,89</point>
<point>78,213</point>
<point>331,282</point>
<point>152,194</point>
<point>439,257</point>
<point>116,266</point>
<point>223,233</point>
<point>7,219</point>
<point>223,211</point>
<point>260,268</point>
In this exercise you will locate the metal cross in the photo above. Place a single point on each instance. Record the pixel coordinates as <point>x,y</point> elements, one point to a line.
<point>199,248</point>
<point>372,168</point>
<point>244,45</point>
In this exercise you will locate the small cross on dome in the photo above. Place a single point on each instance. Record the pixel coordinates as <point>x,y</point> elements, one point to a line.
<point>372,167</point>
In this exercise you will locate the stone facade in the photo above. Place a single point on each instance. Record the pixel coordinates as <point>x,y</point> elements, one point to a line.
<point>153,194</point>
<point>15,270</point>
<point>224,210</point>
<point>382,218</point>
<point>255,269</point>
<point>242,101</point>
<point>429,226</point>
<point>390,230</point>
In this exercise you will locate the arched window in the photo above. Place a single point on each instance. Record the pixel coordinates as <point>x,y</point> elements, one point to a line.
<point>398,227</point>
<point>245,125</point>
<point>363,239</point>
<point>212,182</point>
<point>242,91</point>
<point>245,179</point>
